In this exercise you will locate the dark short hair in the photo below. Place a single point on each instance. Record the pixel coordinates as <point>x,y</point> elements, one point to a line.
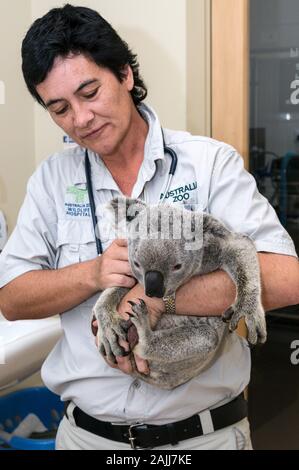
<point>76,30</point>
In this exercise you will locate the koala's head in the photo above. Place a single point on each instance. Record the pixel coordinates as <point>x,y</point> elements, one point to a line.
<point>163,250</point>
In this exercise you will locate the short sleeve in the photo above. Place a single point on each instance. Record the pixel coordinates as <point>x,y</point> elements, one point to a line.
<point>32,244</point>
<point>235,199</point>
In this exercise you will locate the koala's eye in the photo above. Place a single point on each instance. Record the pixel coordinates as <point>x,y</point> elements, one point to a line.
<point>177,267</point>
<point>137,265</point>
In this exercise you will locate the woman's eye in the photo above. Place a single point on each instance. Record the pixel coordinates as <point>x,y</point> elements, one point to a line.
<point>177,267</point>
<point>62,111</point>
<point>92,94</point>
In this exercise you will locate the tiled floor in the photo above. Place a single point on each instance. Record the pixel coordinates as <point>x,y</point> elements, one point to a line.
<point>274,387</point>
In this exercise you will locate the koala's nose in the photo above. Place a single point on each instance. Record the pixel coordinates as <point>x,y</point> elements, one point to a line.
<point>154,284</point>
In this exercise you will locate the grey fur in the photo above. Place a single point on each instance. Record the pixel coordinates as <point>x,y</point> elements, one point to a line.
<point>180,347</point>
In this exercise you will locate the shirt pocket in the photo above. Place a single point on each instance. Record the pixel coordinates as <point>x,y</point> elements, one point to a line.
<point>75,242</point>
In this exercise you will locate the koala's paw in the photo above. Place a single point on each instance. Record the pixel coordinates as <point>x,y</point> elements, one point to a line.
<point>109,332</point>
<point>256,326</point>
<point>139,316</point>
<point>255,323</point>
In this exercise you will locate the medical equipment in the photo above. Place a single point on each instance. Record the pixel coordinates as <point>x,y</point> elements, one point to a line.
<point>172,169</point>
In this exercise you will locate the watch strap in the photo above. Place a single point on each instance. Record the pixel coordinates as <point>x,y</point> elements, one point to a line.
<point>169,302</point>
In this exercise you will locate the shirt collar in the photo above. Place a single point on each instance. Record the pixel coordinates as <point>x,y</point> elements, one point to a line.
<point>153,150</point>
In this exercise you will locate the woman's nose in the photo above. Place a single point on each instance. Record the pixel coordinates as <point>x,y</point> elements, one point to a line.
<point>82,117</point>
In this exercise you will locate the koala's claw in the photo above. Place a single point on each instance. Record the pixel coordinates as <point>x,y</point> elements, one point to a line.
<point>227,315</point>
<point>232,317</point>
<point>126,353</point>
<point>233,322</point>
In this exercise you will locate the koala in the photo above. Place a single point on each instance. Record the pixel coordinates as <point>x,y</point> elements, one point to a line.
<point>162,258</point>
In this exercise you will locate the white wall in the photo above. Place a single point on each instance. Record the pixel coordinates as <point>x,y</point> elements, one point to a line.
<point>17,159</point>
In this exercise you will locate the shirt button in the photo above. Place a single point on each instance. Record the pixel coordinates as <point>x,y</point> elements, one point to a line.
<point>136,384</point>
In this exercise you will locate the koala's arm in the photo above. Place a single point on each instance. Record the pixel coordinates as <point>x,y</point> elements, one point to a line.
<point>239,259</point>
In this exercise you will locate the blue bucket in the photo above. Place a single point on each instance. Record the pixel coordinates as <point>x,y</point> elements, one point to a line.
<point>15,406</point>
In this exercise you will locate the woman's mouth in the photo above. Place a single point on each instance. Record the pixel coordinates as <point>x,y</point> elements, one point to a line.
<point>95,133</point>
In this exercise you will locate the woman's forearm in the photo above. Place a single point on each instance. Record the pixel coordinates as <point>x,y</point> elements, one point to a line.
<point>41,294</point>
<point>212,294</point>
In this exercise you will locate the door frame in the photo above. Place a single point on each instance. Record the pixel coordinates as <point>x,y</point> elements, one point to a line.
<point>230,73</point>
<point>230,79</point>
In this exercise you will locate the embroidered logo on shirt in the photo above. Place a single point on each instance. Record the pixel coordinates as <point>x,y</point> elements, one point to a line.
<point>77,204</point>
<point>80,194</point>
<point>181,193</point>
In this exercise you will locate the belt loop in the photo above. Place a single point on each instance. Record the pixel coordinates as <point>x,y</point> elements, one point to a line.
<point>206,422</point>
<point>69,413</point>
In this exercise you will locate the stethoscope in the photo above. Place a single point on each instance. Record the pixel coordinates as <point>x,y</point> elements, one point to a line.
<point>172,169</point>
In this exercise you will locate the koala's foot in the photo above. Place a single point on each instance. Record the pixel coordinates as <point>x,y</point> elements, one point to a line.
<point>139,316</point>
<point>140,319</point>
<point>111,329</point>
<point>255,322</point>
<point>108,337</point>
<point>256,326</point>
<point>111,326</point>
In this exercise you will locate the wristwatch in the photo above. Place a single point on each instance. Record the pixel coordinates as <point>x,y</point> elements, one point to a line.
<point>169,302</point>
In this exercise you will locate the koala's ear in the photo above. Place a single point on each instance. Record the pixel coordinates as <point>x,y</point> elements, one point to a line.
<point>125,207</point>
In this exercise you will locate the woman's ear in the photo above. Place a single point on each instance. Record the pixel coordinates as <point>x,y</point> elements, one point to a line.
<point>128,77</point>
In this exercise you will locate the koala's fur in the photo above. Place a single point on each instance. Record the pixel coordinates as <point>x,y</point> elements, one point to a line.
<point>180,347</point>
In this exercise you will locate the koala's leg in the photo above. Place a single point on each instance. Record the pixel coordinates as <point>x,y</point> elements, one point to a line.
<point>241,263</point>
<point>111,326</point>
<point>172,344</point>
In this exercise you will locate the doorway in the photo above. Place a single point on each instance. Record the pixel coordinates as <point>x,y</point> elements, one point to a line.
<point>255,108</point>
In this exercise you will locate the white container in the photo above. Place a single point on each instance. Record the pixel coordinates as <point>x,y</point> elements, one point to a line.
<point>25,344</point>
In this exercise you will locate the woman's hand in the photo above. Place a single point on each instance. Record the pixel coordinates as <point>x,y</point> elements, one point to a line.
<point>112,268</point>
